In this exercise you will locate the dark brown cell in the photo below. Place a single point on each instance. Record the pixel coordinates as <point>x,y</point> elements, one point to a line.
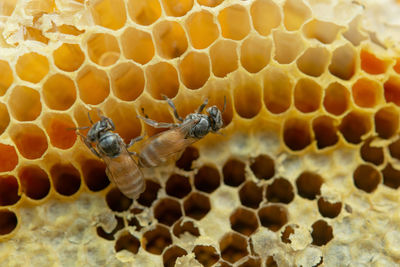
<point>322,233</point>
<point>110,236</point>
<point>189,155</point>
<point>273,217</point>
<point>336,100</point>
<point>207,179</point>
<point>285,237</point>
<point>325,131</point>
<point>366,178</point>
<point>386,122</point>
<point>127,242</point>
<point>149,194</point>
<point>370,153</point>
<point>187,226</point>
<point>281,190</point>
<point>66,179</point>
<point>391,176</point>
<point>244,221</point>
<point>309,185</point>
<point>34,181</point>
<point>156,240</point>
<point>394,149</point>
<point>94,175</point>
<point>8,190</point>
<point>234,172</point>
<point>251,262</point>
<point>270,262</point>
<point>8,156</point>
<point>171,254</point>
<point>392,90</point>
<point>263,167</point>
<point>197,206</point>
<point>178,186</point>
<point>206,255</point>
<point>354,125</point>
<point>117,201</point>
<point>233,247</point>
<point>328,209</point>
<point>251,195</point>
<point>134,222</point>
<point>8,221</point>
<point>296,134</point>
<point>167,211</point>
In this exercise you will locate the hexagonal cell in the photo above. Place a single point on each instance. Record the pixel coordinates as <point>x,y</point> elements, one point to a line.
<point>127,81</point>
<point>93,85</point>
<point>183,227</point>
<point>354,34</point>
<point>234,22</point>
<point>32,67</point>
<point>343,62</point>
<point>137,45</point>
<point>281,190</point>
<point>386,122</point>
<point>8,158</point>
<point>325,131</point>
<point>307,95</point>
<point>117,201</point>
<point>336,99</point>
<point>296,133</point>
<point>162,79</point>
<point>206,255</point>
<point>207,179</point>
<point>127,242</point>
<point>109,13</point>
<point>178,186</point>
<point>255,53</point>
<point>110,236</point>
<point>323,31</point>
<point>201,29</point>
<point>251,262</point>
<point>171,254</point>
<point>57,126</point>
<point>277,90</point>
<point>250,195</point>
<point>263,167</point>
<point>224,58</point>
<point>189,155</point>
<point>167,211</point>
<point>8,221</point>
<point>24,103</point>
<point>328,209</point>
<point>69,29</point>
<point>68,57</point>
<point>4,118</point>
<point>355,125</point>
<point>366,178</point>
<point>170,39</point>
<point>177,8</point>
<point>144,12</point>
<point>273,217</point>
<point>59,92</point>
<point>234,172</point>
<point>371,64</point>
<point>103,49</point>
<point>391,176</point>
<point>264,24</point>
<point>30,140</point>
<point>394,149</point>
<point>396,67</point>
<point>322,233</point>
<point>156,240</point>
<point>309,185</point>
<point>35,35</point>
<point>6,77</point>
<point>288,46</point>
<point>94,175</point>
<point>66,179</point>
<point>233,247</point>
<point>285,236</point>
<point>244,221</point>
<point>196,206</point>
<point>270,262</point>
<point>194,70</point>
<point>295,13</point>
<point>392,90</point>
<point>34,182</point>
<point>366,93</point>
<point>371,153</point>
<point>247,91</point>
<point>224,264</point>
<point>210,3</point>
<point>8,190</point>
<point>150,193</point>
<point>313,61</point>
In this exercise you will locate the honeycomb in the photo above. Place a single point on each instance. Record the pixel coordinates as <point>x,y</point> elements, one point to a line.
<point>305,172</point>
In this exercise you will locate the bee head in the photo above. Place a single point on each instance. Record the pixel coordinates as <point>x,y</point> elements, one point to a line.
<point>215,117</point>
<point>101,127</point>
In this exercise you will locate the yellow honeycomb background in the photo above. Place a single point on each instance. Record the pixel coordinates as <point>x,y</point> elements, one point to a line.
<point>305,173</point>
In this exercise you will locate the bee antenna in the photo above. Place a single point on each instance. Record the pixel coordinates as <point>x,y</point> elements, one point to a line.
<point>223,110</point>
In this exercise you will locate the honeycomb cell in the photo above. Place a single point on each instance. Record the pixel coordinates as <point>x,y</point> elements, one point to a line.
<point>8,158</point>
<point>244,221</point>
<point>150,193</point>
<point>206,255</point>
<point>34,182</point>
<point>68,57</point>
<point>59,92</point>
<point>4,118</point>
<point>251,195</point>
<point>94,175</point>
<point>391,176</point>
<point>354,125</point>
<point>37,8</point>
<point>263,167</point>
<point>170,39</point>
<point>35,35</point>
<point>127,242</point>
<point>251,262</point>
<point>194,70</point>
<point>177,8</point>
<point>288,46</point>
<point>386,122</point>
<point>8,190</point>
<point>32,67</point>
<point>328,209</point>
<point>167,211</point>
<point>307,95</point>
<point>58,130</point>
<point>285,237</point>
<point>6,77</point>
<point>336,100</point>
<point>110,236</point>
<point>322,233</point>
<point>325,131</point>
<point>196,206</point>
<point>296,134</point>
<point>103,49</point>
<point>30,140</point>
<point>117,201</point>
<point>245,92</point>
<point>69,29</point>
<point>207,179</point>
<point>109,13</point>
<point>277,90</point>
<point>281,190</point>
<point>353,33</point>
<point>171,254</point>
<point>295,14</point>
<point>93,85</point>
<point>366,93</point>
<point>366,178</point>
<point>323,31</point>
<point>233,247</point>
<point>144,12</point>
<point>66,179</point>
<point>7,7</point>
<point>8,221</point>
<point>309,185</point>
<point>313,61</point>
<point>392,90</point>
<point>210,3</point>
<point>156,240</point>
<point>201,29</point>
<point>127,81</point>
<point>343,62</point>
<point>178,186</point>
<point>189,155</point>
<point>264,24</point>
<point>234,172</point>
<point>137,45</point>
<point>372,64</point>
<point>273,217</point>
<point>24,103</point>
<point>270,262</point>
<point>224,58</point>
<point>185,227</point>
<point>394,149</point>
<point>371,153</point>
<point>255,53</point>
<point>234,22</point>
<point>162,79</point>
<point>396,67</point>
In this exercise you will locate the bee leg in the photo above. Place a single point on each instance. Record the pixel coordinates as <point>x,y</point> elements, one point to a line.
<point>158,124</point>
<point>171,104</point>
<point>223,110</point>
<point>202,106</point>
<point>88,144</point>
<point>134,140</point>
<point>90,119</point>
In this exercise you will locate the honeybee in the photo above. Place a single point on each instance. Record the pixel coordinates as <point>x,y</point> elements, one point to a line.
<point>121,168</point>
<point>165,145</point>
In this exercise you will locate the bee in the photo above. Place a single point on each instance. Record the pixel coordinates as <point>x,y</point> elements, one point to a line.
<point>168,144</point>
<point>121,168</point>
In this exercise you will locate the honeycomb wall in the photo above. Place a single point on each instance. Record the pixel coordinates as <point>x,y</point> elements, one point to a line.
<point>304,173</point>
